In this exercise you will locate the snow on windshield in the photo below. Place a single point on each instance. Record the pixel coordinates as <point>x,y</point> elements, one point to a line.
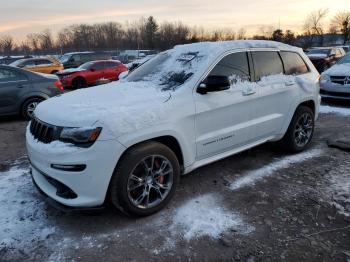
<point>169,69</point>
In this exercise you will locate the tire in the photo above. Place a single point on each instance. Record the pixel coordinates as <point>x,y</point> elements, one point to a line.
<point>303,120</point>
<point>79,83</point>
<point>28,107</point>
<point>129,193</point>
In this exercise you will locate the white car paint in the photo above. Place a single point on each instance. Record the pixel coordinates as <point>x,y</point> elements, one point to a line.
<point>207,127</point>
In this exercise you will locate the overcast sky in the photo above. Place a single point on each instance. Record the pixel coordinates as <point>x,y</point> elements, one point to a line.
<point>20,17</point>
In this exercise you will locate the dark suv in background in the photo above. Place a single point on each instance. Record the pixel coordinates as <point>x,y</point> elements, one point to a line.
<point>76,59</point>
<point>324,57</point>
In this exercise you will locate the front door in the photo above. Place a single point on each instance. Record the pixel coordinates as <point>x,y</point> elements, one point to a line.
<point>223,118</point>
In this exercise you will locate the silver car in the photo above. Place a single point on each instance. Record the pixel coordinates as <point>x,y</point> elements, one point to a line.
<point>335,82</point>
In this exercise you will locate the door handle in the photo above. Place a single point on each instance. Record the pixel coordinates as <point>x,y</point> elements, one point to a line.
<point>289,83</point>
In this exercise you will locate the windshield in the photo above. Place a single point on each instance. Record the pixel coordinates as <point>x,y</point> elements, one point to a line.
<point>18,62</point>
<point>65,58</point>
<point>345,60</point>
<point>168,69</point>
<point>319,51</point>
<point>87,65</point>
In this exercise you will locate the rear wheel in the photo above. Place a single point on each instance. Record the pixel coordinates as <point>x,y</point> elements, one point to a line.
<point>145,180</point>
<point>300,130</point>
<point>28,107</point>
<point>79,83</point>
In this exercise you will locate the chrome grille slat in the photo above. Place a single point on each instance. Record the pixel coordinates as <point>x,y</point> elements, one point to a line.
<point>341,80</point>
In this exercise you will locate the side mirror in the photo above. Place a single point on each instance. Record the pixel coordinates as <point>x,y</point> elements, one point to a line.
<point>92,69</point>
<point>214,83</point>
<point>123,75</point>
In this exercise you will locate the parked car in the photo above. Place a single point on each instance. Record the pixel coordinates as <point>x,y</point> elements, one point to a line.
<point>45,65</point>
<point>135,64</point>
<point>76,59</point>
<point>335,82</point>
<point>90,73</point>
<point>128,141</point>
<point>10,59</point>
<point>324,57</point>
<point>346,48</point>
<point>21,90</point>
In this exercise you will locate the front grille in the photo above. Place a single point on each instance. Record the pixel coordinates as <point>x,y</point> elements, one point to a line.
<point>41,131</point>
<point>336,94</point>
<point>341,80</point>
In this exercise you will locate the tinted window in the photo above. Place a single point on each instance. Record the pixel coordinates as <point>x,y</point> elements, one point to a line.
<point>29,63</point>
<point>233,65</point>
<point>293,63</point>
<point>99,66</point>
<point>111,64</point>
<point>76,58</point>
<point>267,63</point>
<point>10,75</point>
<point>43,62</point>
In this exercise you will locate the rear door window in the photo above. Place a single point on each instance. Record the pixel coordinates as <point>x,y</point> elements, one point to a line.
<point>267,63</point>
<point>234,66</point>
<point>7,75</point>
<point>293,63</point>
<point>42,62</point>
<point>100,66</point>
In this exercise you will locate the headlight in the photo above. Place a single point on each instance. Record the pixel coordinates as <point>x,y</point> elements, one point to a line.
<point>80,136</point>
<point>325,78</point>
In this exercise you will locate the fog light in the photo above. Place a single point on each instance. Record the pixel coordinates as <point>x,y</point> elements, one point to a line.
<point>73,168</point>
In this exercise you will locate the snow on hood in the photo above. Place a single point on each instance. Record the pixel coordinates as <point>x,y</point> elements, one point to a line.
<point>120,106</point>
<point>317,56</point>
<point>338,70</point>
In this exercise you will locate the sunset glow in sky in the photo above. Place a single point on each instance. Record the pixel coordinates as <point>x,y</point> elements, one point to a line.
<point>20,17</point>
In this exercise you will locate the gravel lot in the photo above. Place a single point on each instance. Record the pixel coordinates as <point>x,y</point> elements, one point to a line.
<point>260,205</point>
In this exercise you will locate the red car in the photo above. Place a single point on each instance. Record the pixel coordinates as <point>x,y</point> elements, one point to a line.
<point>91,73</point>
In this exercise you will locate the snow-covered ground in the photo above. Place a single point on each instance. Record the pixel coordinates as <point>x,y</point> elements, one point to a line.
<point>326,109</point>
<point>251,177</point>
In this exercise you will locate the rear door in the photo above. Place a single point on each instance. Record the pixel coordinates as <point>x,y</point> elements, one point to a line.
<point>276,93</point>
<point>112,70</point>
<point>223,118</point>
<point>43,66</point>
<point>13,86</point>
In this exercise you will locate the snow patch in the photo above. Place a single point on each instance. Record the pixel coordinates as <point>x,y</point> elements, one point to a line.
<point>334,110</point>
<point>205,216</point>
<point>250,178</point>
<point>22,217</point>
<point>338,70</point>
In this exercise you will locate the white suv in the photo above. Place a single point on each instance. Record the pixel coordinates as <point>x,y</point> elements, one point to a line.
<point>129,142</point>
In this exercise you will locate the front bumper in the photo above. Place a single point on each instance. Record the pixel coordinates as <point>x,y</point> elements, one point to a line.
<point>335,91</point>
<point>89,186</point>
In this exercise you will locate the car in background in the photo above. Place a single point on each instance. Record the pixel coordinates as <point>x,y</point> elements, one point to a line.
<point>76,59</point>
<point>136,63</point>
<point>45,65</point>
<point>90,73</point>
<point>129,141</point>
<point>345,47</point>
<point>324,57</point>
<point>21,91</point>
<point>6,60</point>
<point>335,82</point>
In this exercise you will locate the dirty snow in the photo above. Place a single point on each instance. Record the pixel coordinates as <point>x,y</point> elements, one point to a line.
<point>335,110</point>
<point>22,217</point>
<point>250,178</point>
<point>205,216</point>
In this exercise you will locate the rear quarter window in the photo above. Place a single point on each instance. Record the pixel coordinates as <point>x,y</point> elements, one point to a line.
<point>293,63</point>
<point>267,63</point>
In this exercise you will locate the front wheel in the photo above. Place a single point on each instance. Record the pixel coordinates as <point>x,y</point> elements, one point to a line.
<point>145,180</point>
<point>28,107</point>
<point>300,130</point>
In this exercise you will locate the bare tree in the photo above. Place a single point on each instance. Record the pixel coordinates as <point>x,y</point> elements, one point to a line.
<point>313,24</point>
<point>241,34</point>
<point>7,45</point>
<point>341,23</point>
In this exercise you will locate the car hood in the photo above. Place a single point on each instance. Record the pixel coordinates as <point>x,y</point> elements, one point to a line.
<point>119,107</point>
<point>338,70</point>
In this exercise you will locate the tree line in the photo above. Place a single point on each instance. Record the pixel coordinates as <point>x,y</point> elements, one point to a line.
<point>149,34</point>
